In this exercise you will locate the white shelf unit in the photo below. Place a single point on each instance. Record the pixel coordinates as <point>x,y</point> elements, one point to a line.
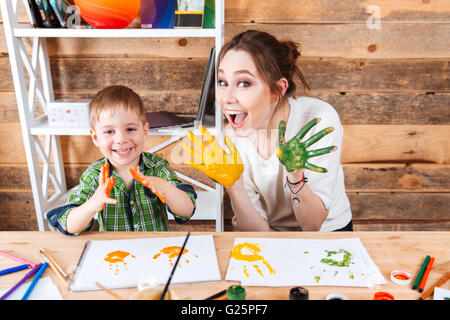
<point>209,202</point>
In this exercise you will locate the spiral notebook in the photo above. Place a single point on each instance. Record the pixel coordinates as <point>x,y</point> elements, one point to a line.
<point>121,263</point>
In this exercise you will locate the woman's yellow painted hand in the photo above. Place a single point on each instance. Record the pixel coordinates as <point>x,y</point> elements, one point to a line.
<point>222,167</point>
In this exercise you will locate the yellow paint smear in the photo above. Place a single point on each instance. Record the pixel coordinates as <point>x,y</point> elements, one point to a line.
<point>246,272</point>
<point>258,270</point>
<point>254,248</point>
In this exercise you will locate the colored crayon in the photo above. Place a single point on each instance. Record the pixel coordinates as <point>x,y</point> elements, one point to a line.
<point>13,269</point>
<point>420,274</point>
<point>10,256</point>
<point>35,280</point>
<point>18,284</point>
<point>425,275</point>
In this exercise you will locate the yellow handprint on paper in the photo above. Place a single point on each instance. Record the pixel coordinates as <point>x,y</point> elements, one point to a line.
<point>254,248</point>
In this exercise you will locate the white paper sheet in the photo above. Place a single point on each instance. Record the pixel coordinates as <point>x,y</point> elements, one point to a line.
<point>292,262</point>
<point>45,289</point>
<point>441,294</point>
<point>145,259</point>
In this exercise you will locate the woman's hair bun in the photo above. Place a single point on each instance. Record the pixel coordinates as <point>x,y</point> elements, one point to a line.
<point>292,49</point>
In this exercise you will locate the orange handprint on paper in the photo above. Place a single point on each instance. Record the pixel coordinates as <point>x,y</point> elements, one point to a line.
<point>172,252</point>
<point>116,259</point>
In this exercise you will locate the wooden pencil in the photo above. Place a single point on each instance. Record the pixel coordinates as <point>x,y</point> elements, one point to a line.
<point>50,258</point>
<point>56,271</point>
<point>440,282</point>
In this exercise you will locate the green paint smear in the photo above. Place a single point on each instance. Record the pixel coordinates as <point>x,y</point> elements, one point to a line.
<point>345,262</point>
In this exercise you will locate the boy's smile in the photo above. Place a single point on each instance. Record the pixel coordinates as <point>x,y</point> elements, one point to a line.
<point>120,136</point>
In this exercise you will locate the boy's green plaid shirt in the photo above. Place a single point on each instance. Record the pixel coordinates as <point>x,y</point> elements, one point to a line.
<point>137,209</point>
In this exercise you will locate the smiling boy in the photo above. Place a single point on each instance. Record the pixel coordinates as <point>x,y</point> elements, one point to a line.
<point>128,189</point>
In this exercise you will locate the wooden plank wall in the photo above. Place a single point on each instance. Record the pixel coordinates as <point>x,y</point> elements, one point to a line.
<point>389,85</point>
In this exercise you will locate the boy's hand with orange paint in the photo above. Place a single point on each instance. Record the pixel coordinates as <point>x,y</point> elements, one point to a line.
<point>147,181</point>
<point>106,183</point>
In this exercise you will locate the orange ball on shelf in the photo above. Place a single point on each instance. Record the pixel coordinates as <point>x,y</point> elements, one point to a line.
<point>108,14</point>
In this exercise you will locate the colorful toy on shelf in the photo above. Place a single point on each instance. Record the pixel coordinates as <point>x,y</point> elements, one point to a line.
<point>108,14</point>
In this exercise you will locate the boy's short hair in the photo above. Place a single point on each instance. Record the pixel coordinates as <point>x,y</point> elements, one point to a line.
<point>112,98</point>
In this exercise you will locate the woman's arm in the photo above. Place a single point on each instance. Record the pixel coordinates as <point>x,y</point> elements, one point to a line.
<point>247,218</point>
<point>310,211</point>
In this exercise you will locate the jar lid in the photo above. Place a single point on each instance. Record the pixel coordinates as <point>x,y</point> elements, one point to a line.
<point>401,277</point>
<point>336,296</point>
<point>383,296</point>
<point>236,292</point>
<point>298,293</point>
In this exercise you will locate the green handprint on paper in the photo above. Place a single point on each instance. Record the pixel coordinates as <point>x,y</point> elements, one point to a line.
<point>293,154</point>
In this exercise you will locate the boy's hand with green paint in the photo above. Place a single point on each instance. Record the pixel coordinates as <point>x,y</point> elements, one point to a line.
<point>293,154</point>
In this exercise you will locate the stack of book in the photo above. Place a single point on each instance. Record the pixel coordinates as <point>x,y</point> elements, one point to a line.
<point>177,14</point>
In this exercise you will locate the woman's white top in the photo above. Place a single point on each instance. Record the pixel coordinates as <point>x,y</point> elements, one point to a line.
<point>265,179</point>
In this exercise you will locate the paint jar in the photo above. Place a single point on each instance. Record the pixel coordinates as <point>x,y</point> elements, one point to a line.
<point>147,282</point>
<point>336,296</point>
<point>153,293</point>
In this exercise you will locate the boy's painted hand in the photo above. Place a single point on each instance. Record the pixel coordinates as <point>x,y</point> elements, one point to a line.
<point>103,192</point>
<point>137,174</point>
<point>222,167</point>
<point>293,154</point>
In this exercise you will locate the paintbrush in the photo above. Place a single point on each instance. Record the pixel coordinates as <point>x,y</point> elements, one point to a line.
<point>174,267</point>
<point>217,295</point>
<point>115,295</point>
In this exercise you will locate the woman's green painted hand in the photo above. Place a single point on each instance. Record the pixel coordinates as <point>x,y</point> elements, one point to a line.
<point>293,154</point>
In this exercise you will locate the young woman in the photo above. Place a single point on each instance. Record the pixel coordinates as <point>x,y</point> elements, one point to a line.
<point>283,171</point>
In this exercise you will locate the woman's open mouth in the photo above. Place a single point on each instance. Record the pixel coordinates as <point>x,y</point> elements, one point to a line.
<point>237,118</point>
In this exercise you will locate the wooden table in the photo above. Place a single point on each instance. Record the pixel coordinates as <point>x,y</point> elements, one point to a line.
<point>389,251</point>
